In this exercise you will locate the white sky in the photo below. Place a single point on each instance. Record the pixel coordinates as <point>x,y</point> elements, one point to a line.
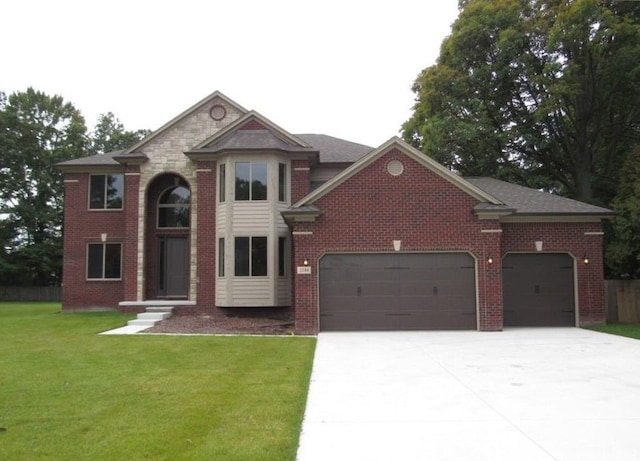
<point>342,68</point>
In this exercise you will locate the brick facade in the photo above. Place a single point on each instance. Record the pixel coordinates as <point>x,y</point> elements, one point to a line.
<point>430,214</point>
<point>423,208</point>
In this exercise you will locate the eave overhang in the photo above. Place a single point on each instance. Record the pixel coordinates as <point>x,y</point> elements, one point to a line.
<point>301,214</point>
<point>134,158</point>
<point>200,155</point>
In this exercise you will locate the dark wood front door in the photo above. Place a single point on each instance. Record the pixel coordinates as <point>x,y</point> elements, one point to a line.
<point>173,267</point>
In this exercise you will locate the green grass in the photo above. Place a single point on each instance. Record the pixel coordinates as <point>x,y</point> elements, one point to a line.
<point>68,394</point>
<point>630,330</point>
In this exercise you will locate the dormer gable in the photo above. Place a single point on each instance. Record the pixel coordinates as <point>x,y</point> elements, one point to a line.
<point>252,133</point>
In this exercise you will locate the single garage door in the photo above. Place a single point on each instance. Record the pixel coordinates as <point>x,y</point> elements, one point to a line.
<point>538,290</point>
<point>397,291</point>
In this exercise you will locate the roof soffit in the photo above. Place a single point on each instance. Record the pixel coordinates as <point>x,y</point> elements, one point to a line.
<point>411,152</point>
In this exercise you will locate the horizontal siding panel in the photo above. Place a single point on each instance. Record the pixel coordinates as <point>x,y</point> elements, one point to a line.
<point>221,292</point>
<point>247,217</point>
<point>251,292</point>
<point>283,292</point>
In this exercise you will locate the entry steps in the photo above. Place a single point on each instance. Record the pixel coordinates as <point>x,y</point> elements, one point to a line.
<point>147,319</point>
<point>151,316</point>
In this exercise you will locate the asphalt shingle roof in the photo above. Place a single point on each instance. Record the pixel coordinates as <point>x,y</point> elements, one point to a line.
<point>335,150</point>
<point>530,201</point>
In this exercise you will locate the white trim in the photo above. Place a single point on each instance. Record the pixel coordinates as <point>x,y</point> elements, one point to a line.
<point>70,180</point>
<point>301,233</point>
<point>302,169</point>
<point>132,174</point>
<point>491,231</point>
<point>203,170</point>
<point>594,233</point>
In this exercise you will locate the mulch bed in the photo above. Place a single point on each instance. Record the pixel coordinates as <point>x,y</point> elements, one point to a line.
<point>206,324</point>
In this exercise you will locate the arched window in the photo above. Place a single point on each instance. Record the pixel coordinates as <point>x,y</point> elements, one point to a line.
<point>173,207</point>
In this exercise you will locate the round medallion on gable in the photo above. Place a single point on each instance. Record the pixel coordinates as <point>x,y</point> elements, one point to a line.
<point>217,112</point>
<point>395,168</point>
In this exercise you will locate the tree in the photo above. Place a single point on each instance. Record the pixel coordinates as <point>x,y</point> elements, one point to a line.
<point>545,93</point>
<point>109,135</point>
<point>36,132</point>
<point>623,253</point>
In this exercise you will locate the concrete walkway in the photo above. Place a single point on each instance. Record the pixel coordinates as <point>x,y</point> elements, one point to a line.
<point>523,394</point>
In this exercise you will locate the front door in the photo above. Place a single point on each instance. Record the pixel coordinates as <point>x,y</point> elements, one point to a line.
<point>173,267</point>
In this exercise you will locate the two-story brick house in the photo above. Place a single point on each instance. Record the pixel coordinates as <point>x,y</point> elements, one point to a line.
<point>221,210</point>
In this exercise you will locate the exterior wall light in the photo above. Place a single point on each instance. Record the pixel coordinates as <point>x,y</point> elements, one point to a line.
<point>305,262</point>
<point>489,260</point>
<point>585,259</point>
<point>103,237</point>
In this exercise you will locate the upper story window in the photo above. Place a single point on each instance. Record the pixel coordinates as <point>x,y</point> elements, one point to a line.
<point>251,181</point>
<point>222,183</point>
<point>106,191</point>
<point>282,182</point>
<point>173,207</point>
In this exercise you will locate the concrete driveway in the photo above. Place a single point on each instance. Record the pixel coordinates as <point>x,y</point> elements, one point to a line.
<point>521,394</point>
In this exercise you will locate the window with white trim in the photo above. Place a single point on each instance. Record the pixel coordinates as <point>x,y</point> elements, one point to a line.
<point>104,261</point>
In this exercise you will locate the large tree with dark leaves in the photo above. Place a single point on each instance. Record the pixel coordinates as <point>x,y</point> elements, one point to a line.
<point>36,132</point>
<point>542,92</point>
<point>110,135</point>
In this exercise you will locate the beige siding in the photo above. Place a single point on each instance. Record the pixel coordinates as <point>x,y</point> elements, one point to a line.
<point>252,291</point>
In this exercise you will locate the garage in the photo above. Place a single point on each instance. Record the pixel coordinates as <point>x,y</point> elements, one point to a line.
<point>397,291</point>
<point>538,290</point>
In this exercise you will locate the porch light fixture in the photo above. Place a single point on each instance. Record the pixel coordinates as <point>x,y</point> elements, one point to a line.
<point>489,260</point>
<point>396,245</point>
<point>585,259</point>
<point>305,262</point>
<point>103,237</point>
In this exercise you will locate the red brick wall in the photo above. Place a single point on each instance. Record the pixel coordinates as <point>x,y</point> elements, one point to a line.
<point>130,248</point>
<point>569,238</point>
<point>428,213</point>
<point>300,179</point>
<point>82,226</point>
<point>207,187</point>
<point>423,210</point>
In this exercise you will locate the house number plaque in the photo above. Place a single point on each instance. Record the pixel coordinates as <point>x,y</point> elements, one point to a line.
<point>304,269</point>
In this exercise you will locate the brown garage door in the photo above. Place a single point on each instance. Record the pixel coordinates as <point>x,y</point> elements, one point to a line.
<point>397,291</point>
<point>538,290</point>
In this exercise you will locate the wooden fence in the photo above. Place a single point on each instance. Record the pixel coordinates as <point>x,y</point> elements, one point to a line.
<point>623,301</point>
<point>28,294</point>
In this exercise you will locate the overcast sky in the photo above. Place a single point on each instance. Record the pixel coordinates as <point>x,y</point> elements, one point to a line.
<point>342,68</point>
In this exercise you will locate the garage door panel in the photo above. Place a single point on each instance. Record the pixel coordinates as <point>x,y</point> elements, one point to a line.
<point>397,291</point>
<point>538,290</point>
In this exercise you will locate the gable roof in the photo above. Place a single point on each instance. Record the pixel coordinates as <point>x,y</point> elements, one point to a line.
<point>527,201</point>
<point>171,123</point>
<point>251,132</point>
<point>411,152</point>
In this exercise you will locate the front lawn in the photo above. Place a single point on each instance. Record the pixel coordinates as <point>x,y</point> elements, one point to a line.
<point>631,330</point>
<point>68,394</point>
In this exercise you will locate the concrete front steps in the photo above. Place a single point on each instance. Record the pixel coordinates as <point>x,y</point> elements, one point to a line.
<point>147,319</point>
<point>151,316</point>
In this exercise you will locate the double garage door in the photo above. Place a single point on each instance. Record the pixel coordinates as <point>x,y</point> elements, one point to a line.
<point>397,291</point>
<point>437,291</point>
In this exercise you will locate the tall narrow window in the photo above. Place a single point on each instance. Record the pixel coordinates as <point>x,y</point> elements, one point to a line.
<point>251,181</point>
<point>282,182</point>
<point>173,207</point>
<point>220,257</point>
<point>104,261</point>
<point>106,191</point>
<point>222,183</point>
<point>282,256</point>
<point>250,256</point>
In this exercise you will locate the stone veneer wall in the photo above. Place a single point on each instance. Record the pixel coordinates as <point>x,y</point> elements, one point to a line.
<point>166,155</point>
